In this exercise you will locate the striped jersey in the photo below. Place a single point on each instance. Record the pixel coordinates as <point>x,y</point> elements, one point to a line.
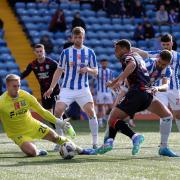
<point>71,61</point>
<point>175,66</point>
<point>156,74</point>
<point>104,75</point>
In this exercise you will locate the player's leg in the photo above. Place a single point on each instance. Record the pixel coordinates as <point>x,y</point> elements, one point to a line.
<point>100,108</point>
<point>165,125</point>
<point>129,106</point>
<point>26,145</point>
<point>93,123</point>
<point>174,101</point>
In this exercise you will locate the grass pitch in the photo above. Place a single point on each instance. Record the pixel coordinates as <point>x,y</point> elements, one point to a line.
<point>117,164</point>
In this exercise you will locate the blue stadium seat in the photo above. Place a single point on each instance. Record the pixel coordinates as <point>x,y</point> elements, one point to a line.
<point>109,50</point>
<point>176,35</point>
<point>107,43</point>
<point>32,12</point>
<point>127,21</point>
<point>20,5</point>
<point>3,73</point>
<point>11,65</point>
<point>142,43</point>
<point>94,43</point>
<point>128,27</point>
<point>26,19</point>
<point>101,35</point>
<point>165,28</point>
<point>34,34</point>
<point>74,6</point>
<point>69,19</point>
<point>101,13</point>
<point>175,28</point>
<point>91,20</point>
<point>151,13</point>
<point>150,7</point>
<point>37,19</point>
<point>59,35</point>
<point>5,50</point>
<point>104,20</point>
<point>14,71</point>
<point>88,13</point>
<point>2,43</point>
<point>3,66</point>
<point>86,6</point>
<point>31,5</point>
<point>99,50</point>
<point>114,35</point>
<point>22,12</point>
<point>35,40</point>
<point>43,26</point>
<point>31,26</point>
<point>91,35</point>
<point>107,27</point>
<point>178,43</point>
<point>1,33</point>
<point>64,5</point>
<point>138,20</point>
<point>96,27</point>
<point>42,6</point>
<point>24,82</point>
<point>46,19</point>
<point>116,21</point>
<point>118,27</point>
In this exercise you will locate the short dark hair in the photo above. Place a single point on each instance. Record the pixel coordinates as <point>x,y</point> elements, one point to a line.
<point>165,55</point>
<point>123,43</point>
<point>38,46</point>
<point>166,38</point>
<point>103,60</point>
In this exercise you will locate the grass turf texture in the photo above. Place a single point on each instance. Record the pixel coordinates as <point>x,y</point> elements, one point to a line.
<point>116,164</point>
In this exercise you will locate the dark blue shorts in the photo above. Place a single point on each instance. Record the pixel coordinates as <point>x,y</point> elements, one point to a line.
<point>135,101</point>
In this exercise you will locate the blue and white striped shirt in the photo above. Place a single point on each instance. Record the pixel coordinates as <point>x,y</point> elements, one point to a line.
<point>72,60</point>
<point>104,75</point>
<point>156,74</point>
<point>175,66</point>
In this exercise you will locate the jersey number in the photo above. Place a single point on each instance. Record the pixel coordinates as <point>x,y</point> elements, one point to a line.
<point>42,129</point>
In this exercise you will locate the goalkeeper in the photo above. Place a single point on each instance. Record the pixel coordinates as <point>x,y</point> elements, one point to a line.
<point>21,127</point>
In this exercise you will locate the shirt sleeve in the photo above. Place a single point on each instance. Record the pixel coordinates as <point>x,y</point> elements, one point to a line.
<point>168,73</point>
<point>92,60</point>
<point>27,71</point>
<point>62,60</point>
<point>34,105</point>
<point>153,54</point>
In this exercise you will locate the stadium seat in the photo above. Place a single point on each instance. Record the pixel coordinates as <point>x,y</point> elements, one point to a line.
<point>11,65</point>
<point>165,28</point>
<point>14,71</point>
<point>91,34</point>
<point>2,43</point>
<point>22,12</point>
<point>26,89</point>
<point>74,6</point>
<point>116,21</point>
<point>96,27</point>
<point>142,43</point>
<point>3,66</point>
<point>127,21</point>
<point>5,50</point>
<point>42,5</point>
<point>31,5</point>
<point>86,6</point>
<point>104,20</point>
<point>107,27</point>
<point>33,12</point>
<point>88,13</point>
<point>3,73</point>
<point>177,35</point>
<point>20,5</point>
<point>91,20</point>
<point>101,13</point>
<point>175,28</point>
<point>101,35</point>
<point>64,5</point>
<point>24,82</point>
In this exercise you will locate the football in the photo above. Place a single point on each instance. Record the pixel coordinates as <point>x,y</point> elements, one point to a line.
<point>67,150</point>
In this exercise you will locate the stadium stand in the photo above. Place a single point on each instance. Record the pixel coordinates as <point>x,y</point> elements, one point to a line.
<point>101,30</point>
<point>8,64</point>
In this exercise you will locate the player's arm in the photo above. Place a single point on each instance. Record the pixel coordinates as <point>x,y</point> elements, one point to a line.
<point>127,71</point>
<point>45,114</point>
<point>142,53</point>
<point>164,86</point>
<point>26,72</point>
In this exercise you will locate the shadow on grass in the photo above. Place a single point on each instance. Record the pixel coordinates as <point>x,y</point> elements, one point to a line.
<point>85,159</point>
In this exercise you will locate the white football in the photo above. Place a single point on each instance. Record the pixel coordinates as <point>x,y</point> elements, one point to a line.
<point>67,150</point>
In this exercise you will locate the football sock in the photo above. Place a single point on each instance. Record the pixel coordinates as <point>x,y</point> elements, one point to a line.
<point>124,128</point>
<point>165,129</point>
<point>93,124</point>
<point>62,140</point>
<point>178,124</point>
<point>58,129</point>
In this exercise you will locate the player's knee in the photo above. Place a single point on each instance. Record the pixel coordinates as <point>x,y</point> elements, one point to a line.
<point>31,153</point>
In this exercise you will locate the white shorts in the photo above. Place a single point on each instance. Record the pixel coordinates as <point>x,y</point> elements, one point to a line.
<point>81,96</point>
<point>162,97</point>
<point>104,98</point>
<point>174,99</point>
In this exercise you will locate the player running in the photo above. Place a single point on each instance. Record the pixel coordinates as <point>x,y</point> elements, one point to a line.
<point>77,62</point>
<point>138,98</point>
<point>21,127</point>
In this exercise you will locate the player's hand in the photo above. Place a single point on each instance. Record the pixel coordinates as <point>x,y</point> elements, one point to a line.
<point>83,70</point>
<point>116,87</point>
<point>48,93</point>
<point>109,84</point>
<point>154,90</point>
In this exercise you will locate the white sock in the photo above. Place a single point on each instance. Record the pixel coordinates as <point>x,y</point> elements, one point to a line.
<point>93,124</point>
<point>58,129</point>
<point>178,124</point>
<point>165,129</point>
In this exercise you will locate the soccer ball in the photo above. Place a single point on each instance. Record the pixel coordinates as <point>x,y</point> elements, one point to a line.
<point>67,150</point>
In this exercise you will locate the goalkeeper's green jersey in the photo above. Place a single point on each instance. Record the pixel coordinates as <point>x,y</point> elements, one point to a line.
<point>15,113</point>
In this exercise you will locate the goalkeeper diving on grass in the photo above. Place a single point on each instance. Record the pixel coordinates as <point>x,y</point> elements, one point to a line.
<point>22,128</point>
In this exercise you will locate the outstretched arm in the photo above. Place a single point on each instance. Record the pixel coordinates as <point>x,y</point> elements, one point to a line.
<point>26,72</point>
<point>142,53</point>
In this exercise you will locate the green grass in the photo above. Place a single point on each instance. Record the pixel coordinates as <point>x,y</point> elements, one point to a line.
<point>117,164</point>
